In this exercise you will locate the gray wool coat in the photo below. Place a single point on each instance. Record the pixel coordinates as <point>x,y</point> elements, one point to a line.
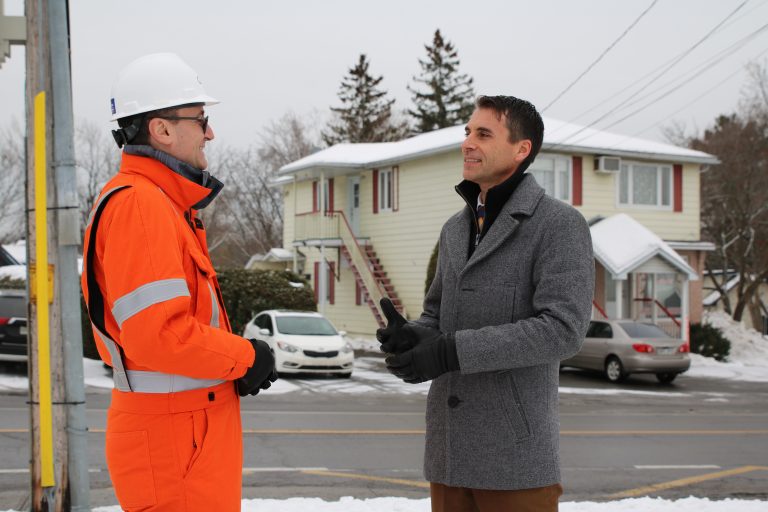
<point>520,304</point>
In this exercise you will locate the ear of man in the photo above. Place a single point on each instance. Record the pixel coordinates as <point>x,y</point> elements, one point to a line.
<point>160,133</point>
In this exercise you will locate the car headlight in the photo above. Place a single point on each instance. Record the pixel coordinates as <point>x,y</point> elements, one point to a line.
<point>347,348</point>
<point>287,347</point>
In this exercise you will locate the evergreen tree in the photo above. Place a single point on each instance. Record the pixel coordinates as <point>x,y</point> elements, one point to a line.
<point>366,113</point>
<point>449,96</point>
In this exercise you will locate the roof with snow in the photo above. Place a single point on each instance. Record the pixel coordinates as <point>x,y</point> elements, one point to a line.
<point>559,136</point>
<point>621,245</point>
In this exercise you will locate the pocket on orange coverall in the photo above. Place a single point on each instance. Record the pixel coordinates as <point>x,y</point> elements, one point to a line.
<point>129,467</point>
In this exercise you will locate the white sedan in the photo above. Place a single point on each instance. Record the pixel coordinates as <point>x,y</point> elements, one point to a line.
<point>303,342</point>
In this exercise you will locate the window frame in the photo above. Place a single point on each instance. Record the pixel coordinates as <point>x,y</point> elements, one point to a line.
<point>659,206</point>
<point>569,172</point>
<point>386,189</point>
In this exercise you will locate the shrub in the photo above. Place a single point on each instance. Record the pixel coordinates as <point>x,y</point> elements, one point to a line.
<point>12,284</point>
<point>709,342</point>
<point>247,292</point>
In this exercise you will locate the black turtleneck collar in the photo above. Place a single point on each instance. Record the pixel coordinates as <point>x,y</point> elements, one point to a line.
<point>193,174</point>
<point>495,199</point>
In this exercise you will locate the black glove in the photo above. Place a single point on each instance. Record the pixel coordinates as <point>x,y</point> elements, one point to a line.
<point>262,374</point>
<point>433,355</point>
<point>392,338</point>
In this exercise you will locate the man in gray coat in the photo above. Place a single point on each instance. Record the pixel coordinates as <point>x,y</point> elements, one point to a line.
<point>511,297</point>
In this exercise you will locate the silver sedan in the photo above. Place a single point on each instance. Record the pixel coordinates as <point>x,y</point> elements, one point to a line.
<point>619,348</point>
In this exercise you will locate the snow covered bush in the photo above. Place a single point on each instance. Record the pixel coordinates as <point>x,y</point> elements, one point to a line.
<point>709,342</point>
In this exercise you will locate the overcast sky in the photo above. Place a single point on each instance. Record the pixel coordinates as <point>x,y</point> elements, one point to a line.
<point>265,58</point>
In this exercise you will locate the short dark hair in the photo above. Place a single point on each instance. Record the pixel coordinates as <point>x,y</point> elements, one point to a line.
<point>523,121</point>
<point>142,121</point>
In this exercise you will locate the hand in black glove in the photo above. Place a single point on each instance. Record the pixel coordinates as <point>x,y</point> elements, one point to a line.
<point>433,355</point>
<point>392,338</point>
<point>262,374</point>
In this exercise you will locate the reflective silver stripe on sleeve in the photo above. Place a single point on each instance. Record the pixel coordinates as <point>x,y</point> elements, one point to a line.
<point>157,382</point>
<point>103,198</point>
<point>118,369</point>
<point>214,307</point>
<point>147,295</point>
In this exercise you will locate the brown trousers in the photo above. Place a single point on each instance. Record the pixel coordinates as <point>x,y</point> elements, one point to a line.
<point>461,499</point>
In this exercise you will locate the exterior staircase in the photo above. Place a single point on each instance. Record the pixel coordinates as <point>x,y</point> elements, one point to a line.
<point>363,261</point>
<point>384,283</point>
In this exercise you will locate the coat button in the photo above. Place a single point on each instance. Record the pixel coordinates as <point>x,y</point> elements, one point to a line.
<point>453,401</point>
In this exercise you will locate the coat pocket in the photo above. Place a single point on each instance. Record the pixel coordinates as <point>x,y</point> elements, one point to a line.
<point>509,398</point>
<point>483,306</point>
<point>130,469</point>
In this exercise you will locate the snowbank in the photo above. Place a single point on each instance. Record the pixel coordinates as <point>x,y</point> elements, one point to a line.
<point>747,345</point>
<point>349,504</point>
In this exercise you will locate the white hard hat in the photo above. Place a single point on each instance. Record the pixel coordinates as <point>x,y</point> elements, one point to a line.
<point>153,82</point>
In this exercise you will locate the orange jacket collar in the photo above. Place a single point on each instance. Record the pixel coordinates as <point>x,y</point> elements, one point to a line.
<point>181,190</point>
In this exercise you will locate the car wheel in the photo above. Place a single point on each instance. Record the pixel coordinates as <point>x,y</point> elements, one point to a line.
<point>614,370</point>
<point>666,378</point>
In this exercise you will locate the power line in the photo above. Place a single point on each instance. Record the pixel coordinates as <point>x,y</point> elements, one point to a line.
<point>674,62</point>
<point>697,98</point>
<point>626,31</point>
<point>639,82</point>
<point>733,49</point>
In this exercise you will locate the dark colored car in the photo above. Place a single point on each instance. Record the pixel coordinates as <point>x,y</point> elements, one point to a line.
<point>13,318</point>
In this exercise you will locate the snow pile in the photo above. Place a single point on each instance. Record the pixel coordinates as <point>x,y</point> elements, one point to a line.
<point>748,360</point>
<point>349,504</point>
<point>15,272</point>
<point>364,344</point>
<point>747,345</point>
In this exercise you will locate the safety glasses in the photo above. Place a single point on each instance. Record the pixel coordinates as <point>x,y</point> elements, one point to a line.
<point>202,121</point>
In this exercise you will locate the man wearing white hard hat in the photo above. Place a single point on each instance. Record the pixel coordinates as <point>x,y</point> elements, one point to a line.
<point>174,438</point>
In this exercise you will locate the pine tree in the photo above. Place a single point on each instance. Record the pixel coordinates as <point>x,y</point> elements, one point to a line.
<point>366,113</point>
<point>449,96</point>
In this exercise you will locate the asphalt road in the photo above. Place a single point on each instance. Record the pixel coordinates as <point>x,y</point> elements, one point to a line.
<point>700,437</point>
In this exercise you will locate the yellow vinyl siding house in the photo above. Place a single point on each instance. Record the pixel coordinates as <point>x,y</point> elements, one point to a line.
<point>363,219</point>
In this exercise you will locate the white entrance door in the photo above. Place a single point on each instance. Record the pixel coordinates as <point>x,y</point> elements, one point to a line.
<point>353,202</point>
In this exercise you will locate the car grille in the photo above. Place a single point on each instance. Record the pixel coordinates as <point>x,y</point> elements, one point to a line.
<point>312,353</point>
<point>313,367</point>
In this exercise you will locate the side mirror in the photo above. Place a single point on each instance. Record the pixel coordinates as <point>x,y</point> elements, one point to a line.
<point>265,332</point>
<point>342,333</point>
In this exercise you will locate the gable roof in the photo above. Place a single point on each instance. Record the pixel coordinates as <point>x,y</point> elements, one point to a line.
<point>559,136</point>
<point>621,245</point>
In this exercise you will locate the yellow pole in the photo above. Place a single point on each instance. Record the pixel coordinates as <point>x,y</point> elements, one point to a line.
<point>41,284</point>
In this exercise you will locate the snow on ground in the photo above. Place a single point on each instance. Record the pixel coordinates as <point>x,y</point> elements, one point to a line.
<point>748,362</point>
<point>748,359</point>
<point>747,345</point>
<point>348,504</point>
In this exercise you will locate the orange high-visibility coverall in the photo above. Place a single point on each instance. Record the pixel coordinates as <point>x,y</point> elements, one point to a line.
<point>179,451</point>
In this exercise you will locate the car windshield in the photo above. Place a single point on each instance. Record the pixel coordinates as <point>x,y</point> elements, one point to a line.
<point>306,325</point>
<point>638,330</point>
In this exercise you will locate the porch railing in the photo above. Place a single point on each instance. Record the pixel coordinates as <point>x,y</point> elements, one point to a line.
<point>317,226</point>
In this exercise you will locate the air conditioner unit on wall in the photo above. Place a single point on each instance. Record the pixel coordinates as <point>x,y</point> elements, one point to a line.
<point>607,164</point>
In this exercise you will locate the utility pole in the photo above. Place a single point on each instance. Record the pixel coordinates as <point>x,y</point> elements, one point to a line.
<point>59,461</point>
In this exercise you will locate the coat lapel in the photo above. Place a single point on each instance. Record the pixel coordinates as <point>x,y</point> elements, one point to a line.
<point>457,236</point>
<point>522,202</point>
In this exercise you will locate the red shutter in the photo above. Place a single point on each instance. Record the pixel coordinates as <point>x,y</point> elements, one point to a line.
<point>332,282</point>
<point>375,191</point>
<point>677,187</point>
<point>314,196</point>
<point>330,195</point>
<point>358,302</point>
<point>578,181</point>
<point>317,282</point>
<point>395,188</point>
